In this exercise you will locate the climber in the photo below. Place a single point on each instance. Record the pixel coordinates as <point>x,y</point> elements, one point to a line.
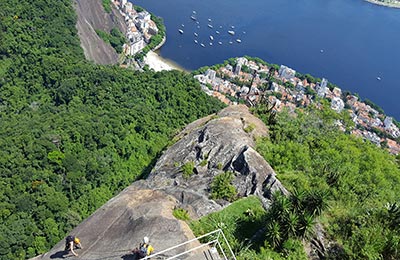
<point>145,249</point>
<point>71,243</point>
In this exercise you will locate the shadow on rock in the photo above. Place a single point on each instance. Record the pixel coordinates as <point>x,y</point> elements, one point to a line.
<point>129,257</point>
<point>59,254</point>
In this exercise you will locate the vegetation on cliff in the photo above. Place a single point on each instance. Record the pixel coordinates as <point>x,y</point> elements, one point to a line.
<point>362,181</point>
<point>73,134</point>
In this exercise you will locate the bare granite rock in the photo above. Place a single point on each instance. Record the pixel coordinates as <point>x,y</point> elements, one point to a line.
<point>216,144</point>
<point>91,16</point>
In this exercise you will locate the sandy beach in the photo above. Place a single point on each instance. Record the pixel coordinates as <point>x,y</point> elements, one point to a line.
<point>158,63</point>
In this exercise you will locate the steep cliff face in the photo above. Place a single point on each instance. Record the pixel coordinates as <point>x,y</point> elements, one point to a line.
<point>226,142</point>
<point>91,16</point>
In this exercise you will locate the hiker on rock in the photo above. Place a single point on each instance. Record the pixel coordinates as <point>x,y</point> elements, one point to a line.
<point>71,243</point>
<point>145,249</point>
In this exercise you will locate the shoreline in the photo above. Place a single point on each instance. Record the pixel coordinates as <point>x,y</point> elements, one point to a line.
<point>158,63</point>
<point>390,5</point>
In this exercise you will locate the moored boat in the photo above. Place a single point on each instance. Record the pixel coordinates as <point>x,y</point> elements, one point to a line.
<point>211,37</point>
<point>210,26</point>
<point>238,40</point>
<point>180,31</point>
<point>231,32</point>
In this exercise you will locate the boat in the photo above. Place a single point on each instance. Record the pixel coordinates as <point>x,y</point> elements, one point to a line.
<point>210,26</point>
<point>230,42</point>
<point>202,45</point>
<point>198,22</point>
<point>378,78</point>
<point>238,40</point>
<point>231,32</point>
<point>321,51</point>
<point>193,18</point>
<point>220,43</point>
<point>180,31</point>
<point>195,34</point>
<point>211,37</point>
<point>210,43</point>
<point>209,19</point>
<point>195,41</point>
<point>233,27</point>
<point>194,12</point>
<point>217,32</point>
<point>182,25</point>
<point>198,26</point>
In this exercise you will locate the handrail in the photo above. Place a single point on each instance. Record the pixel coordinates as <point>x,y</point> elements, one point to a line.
<point>181,244</point>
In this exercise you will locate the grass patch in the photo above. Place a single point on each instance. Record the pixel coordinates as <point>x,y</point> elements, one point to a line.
<point>239,221</point>
<point>181,214</point>
<point>249,128</point>
<point>203,163</point>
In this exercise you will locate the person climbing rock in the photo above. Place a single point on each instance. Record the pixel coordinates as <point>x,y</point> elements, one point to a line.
<point>71,243</point>
<point>144,249</point>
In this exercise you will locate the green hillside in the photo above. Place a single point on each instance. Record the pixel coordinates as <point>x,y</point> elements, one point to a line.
<point>73,134</point>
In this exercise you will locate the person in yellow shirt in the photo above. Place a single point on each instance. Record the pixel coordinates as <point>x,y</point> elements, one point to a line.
<point>144,249</point>
<point>72,243</point>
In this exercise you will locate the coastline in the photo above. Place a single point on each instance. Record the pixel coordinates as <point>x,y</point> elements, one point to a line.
<point>158,63</point>
<point>386,4</point>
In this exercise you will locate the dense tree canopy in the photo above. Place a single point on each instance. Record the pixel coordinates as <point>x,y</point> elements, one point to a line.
<point>72,133</point>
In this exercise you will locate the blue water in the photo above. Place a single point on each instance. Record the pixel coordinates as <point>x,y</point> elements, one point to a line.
<point>360,41</point>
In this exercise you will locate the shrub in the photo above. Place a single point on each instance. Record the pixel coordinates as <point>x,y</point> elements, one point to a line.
<point>187,169</point>
<point>222,188</point>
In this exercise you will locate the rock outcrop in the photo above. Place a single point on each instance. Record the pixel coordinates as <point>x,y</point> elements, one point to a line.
<point>225,142</point>
<point>91,16</point>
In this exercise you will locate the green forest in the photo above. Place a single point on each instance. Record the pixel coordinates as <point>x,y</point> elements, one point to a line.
<point>74,134</point>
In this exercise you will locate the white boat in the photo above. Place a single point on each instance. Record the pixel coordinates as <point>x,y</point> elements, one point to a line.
<point>210,43</point>
<point>193,18</point>
<point>230,42</point>
<point>180,31</point>
<point>378,78</point>
<point>238,40</point>
<point>220,43</point>
<point>217,32</point>
<point>231,32</point>
<point>233,27</point>
<point>195,41</point>
<point>209,19</point>
<point>195,34</point>
<point>211,37</point>
<point>182,25</point>
<point>194,12</point>
<point>210,26</point>
<point>202,45</point>
<point>321,51</point>
<point>198,26</point>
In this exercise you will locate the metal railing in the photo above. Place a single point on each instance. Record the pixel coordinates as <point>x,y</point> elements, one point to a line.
<point>214,242</point>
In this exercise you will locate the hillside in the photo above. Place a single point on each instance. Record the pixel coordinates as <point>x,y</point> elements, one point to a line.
<point>91,17</point>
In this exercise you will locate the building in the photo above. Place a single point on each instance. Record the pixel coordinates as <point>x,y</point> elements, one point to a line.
<point>238,68</point>
<point>337,104</point>
<point>128,7</point>
<point>324,83</point>
<point>211,74</point>
<point>286,72</point>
